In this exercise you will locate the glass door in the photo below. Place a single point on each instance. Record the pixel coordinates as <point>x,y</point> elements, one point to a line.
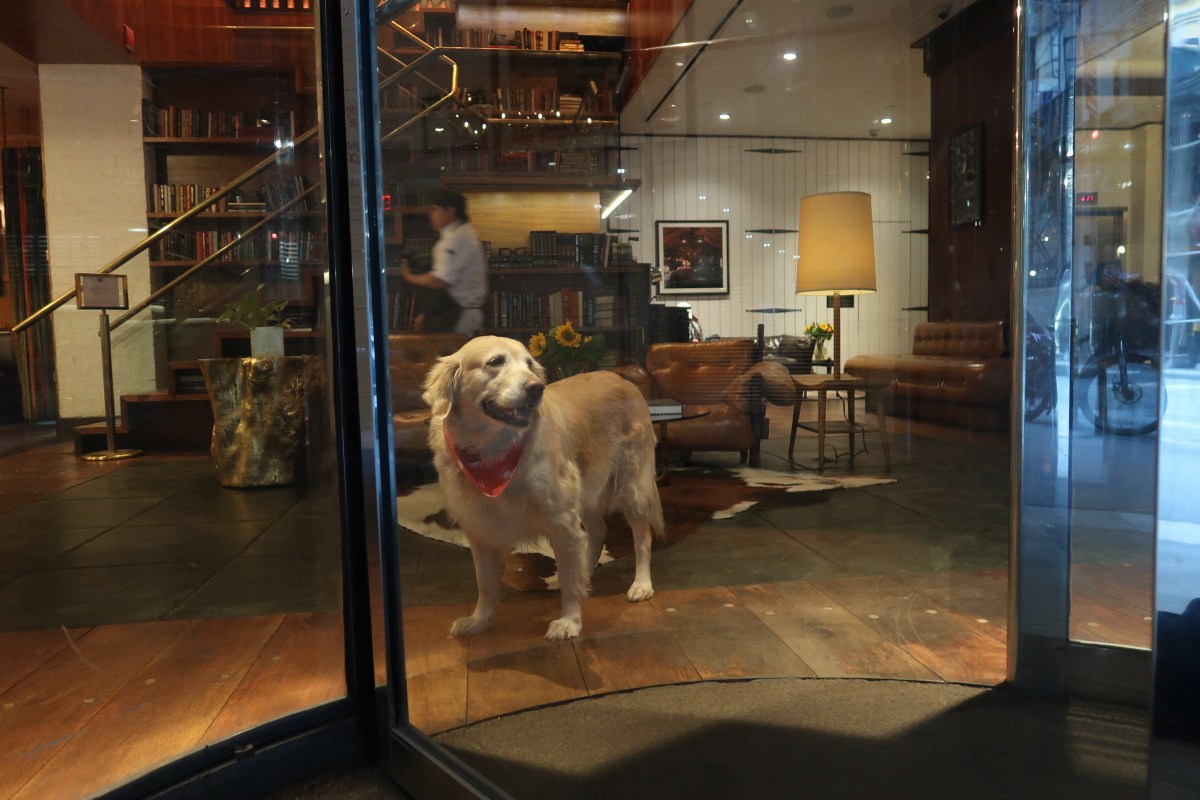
<point>1092,275</point>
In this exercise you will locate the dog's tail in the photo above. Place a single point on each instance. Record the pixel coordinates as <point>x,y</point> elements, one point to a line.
<point>658,528</point>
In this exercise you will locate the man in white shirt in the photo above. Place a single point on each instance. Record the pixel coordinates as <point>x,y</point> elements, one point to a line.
<point>459,267</point>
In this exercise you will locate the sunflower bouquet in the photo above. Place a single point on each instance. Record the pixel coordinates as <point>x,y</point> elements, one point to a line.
<point>821,331</point>
<point>564,351</point>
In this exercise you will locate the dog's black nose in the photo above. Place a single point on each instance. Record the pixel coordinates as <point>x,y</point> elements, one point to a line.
<point>534,389</point>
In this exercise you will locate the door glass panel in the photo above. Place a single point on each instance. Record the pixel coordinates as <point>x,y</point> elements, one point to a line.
<point>909,554</point>
<point>1107,315</point>
<point>167,603</point>
<point>1178,554</point>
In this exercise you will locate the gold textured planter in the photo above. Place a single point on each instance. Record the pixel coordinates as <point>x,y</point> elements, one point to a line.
<point>261,413</point>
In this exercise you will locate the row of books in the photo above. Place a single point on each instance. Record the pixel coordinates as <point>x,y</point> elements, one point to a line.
<point>540,309</point>
<point>173,198</point>
<point>281,192</point>
<point>175,122</point>
<point>583,250</point>
<point>286,247</point>
<point>519,39</point>
<point>542,96</point>
<point>524,160</point>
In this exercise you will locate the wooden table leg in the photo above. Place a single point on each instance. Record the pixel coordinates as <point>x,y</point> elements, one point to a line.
<point>821,431</point>
<point>795,423</point>
<point>850,422</point>
<point>883,434</point>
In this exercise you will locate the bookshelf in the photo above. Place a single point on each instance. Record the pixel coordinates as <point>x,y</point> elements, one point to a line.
<point>531,138</point>
<point>203,127</point>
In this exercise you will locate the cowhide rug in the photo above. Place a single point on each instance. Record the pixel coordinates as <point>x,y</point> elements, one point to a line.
<point>693,496</point>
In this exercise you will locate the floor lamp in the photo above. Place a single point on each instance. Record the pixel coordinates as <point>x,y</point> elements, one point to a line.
<point>836,254</point>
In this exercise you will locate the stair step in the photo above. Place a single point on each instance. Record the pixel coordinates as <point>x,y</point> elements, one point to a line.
<point>153,421</point>
<point>185,378</point>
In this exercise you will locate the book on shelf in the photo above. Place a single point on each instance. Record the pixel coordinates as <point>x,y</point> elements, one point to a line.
<point>665,408</point>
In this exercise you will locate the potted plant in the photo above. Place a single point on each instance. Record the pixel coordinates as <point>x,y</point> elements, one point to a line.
<point>264,318</point>
<point>564,351</point>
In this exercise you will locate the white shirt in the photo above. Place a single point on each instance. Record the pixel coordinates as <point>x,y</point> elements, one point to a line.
<point>458,260</point>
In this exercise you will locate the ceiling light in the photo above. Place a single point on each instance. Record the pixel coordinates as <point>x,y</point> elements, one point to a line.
<point>886,121</point>
<point>723,116</point>
<point>789,56</point>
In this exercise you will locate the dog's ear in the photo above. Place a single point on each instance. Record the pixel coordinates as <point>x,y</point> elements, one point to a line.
<point>441,385</point>
<point>538,369</point>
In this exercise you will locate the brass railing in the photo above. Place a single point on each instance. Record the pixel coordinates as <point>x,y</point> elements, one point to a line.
<point>254,171</point>
<point>195,210</point>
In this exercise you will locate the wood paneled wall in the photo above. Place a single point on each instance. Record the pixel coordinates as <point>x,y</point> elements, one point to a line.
<point>650,25</point>
<point>505,218</point>
<point>201,32</point>
<point>971,64</point>
<point>723,178</point>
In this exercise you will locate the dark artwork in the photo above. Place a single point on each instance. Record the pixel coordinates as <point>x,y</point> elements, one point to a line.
<point>694,257</point>
<point>966,177</point>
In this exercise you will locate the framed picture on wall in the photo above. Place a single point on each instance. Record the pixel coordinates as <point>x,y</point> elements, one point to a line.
<point>966,177</point>
<point>693,256</point>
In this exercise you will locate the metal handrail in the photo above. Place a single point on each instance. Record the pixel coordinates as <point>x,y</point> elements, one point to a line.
<point>199,208</point>
<point>252,172</point>
<point>199,265</point>
<point>430,52</point>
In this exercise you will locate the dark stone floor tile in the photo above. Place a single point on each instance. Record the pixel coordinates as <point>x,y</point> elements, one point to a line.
<point>843,508</point>
<point>183,542</point>
<point>56,514</point>
<point>735,557</point>
<point>98,596</point>
<point>210,501</point>
<point>950,505</point>
<point>24,550</point>
<point>142,480</point>
<point>301,536</point>
<point>894,548</point>
<point>267,585</point>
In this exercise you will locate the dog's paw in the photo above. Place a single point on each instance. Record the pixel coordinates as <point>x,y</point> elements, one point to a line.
<point>466,626</point>
<point>563,629</point>
<point>639,592</point>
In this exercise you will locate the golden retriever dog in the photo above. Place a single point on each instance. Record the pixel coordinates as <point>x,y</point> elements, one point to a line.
<point>518,459</point>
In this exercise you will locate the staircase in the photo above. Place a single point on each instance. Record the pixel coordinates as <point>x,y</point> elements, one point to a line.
<point>180,418</point>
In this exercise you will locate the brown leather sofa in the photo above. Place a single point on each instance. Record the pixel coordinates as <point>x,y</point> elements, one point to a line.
<point>723,377</point>
<point>410,357</point>
<point>959,372</point>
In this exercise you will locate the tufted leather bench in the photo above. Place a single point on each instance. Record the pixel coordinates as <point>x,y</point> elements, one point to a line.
<point>725,379</point>
<point>959,372</point>
<point>410,357</point>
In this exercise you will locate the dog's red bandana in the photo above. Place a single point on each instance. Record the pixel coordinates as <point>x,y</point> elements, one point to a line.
<point>490,477</point>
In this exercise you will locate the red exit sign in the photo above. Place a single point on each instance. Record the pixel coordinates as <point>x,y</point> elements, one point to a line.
<point>1086,198</point>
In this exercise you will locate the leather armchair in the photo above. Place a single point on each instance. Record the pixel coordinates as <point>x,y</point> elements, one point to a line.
<point>725,378</point>
<point>410,357</point>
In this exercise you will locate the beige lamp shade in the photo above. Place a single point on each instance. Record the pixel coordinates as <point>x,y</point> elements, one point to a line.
<point>837,246</point>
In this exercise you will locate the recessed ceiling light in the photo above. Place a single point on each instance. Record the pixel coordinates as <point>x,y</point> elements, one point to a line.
<point>886,121</point>
<point>789,56</point>
<point>723,116</point>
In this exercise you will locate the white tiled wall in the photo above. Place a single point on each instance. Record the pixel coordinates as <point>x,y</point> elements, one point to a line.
<point>96,210</point>
<point>717,178</point>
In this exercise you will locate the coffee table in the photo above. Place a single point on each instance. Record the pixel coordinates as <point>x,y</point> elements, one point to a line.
<point>851,385</point>
<point>660,452</point>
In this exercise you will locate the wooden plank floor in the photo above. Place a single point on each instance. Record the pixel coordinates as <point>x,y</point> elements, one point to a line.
<point>83,710</point>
